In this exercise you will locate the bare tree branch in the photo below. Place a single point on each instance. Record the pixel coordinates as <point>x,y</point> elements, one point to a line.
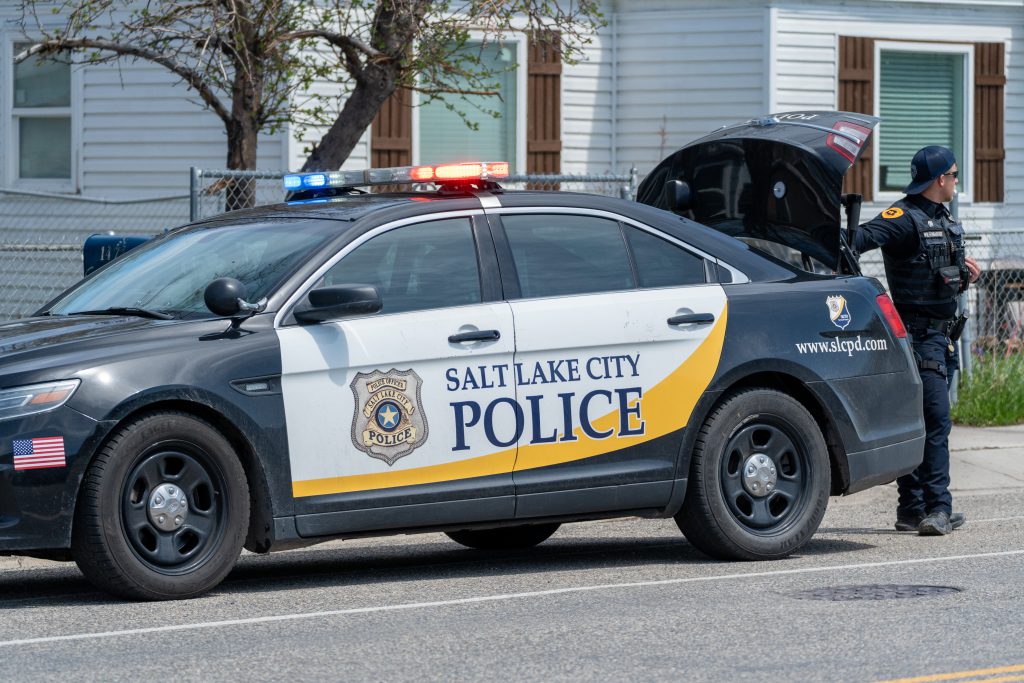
<point>351,48</point>
<point>336,39</point>
<point>193,78</point>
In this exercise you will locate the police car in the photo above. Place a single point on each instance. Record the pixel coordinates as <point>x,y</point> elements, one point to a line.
<point>484,363</point>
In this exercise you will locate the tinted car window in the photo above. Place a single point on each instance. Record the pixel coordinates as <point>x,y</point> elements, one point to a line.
<point>556,255</point>
<point>427,265</point>
<point>659,263</point>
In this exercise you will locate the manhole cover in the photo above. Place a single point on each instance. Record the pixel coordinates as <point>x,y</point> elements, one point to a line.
<point>889,591</point>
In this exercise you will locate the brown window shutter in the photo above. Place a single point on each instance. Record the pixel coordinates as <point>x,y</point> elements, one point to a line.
<point>989,151</point>
<point>856,94</point>
<point>544,106</point>
<point>391,132</point>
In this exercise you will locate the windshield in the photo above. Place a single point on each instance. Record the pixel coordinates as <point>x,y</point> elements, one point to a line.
<point>170,274</point>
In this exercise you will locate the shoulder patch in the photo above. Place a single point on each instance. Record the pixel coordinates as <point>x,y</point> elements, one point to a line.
<point>892,212</point>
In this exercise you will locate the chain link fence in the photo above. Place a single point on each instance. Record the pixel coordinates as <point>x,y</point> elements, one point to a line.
<point>213,192</point>
<point>41,237</point>
<point>995,303</point>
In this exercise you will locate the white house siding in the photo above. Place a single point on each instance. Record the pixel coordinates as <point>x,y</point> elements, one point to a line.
<point>806,68</point>
<point>587,112</point>
<point>142,130</point>
<point>680,73</point>
<point>139,130</point>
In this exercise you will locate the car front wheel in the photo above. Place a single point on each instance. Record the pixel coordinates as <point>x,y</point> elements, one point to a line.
<point>163,510</point>
<point>759,479</point>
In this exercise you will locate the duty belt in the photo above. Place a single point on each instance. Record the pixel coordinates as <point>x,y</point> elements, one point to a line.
<point>932,365</point>
<point>920,324</point>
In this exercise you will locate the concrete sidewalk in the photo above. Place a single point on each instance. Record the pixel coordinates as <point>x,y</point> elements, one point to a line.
<point>986,458</point>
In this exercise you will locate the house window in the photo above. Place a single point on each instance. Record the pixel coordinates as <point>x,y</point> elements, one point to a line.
<point>923,95</point>
<point>494,133</point>
<point>529,135</point>
<point>982,157</point>
<point>41,131</point>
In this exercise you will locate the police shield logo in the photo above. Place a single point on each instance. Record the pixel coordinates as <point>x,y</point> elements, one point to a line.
<point>838,313</point>
<point>388,422</point>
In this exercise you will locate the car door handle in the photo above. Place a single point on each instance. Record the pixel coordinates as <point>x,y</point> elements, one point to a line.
<point>474,336</point>
<point>689,318</point>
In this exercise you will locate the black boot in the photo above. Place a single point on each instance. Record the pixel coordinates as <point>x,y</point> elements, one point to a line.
<point>935,524</point>
<point>912,522</point>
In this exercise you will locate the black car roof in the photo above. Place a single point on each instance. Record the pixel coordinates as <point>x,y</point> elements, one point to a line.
<point>342,208</point>
<point>348,211</point>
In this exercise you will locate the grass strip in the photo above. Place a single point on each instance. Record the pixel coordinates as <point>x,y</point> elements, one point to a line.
<point>994,393</point>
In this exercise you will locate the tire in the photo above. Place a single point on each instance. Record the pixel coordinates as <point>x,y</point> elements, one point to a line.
<point>504,538</point>
<point>729,516</point>
<point>125,538</point>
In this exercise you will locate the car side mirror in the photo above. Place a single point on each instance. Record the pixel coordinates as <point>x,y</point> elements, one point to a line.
<point>677,195</point>
<point>339,301</point>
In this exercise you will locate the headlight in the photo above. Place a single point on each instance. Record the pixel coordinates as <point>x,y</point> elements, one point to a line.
<point>35,398</point>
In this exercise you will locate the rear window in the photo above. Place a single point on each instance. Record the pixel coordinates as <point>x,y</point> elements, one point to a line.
<point>559,255</point>
<point>659,263</point>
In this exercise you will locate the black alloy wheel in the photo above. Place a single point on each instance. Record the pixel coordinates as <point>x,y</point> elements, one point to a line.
<point>759,478</point>
<point>163,509</point>
<point>765,476</point>
<point>173,508</point>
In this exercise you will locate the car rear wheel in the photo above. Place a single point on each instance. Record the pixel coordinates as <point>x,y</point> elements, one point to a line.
<point>759,479</point>
<point>163,510</point>
<point>504,538</point>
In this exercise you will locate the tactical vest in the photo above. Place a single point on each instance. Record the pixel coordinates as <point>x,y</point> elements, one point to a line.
<point>936,273</point>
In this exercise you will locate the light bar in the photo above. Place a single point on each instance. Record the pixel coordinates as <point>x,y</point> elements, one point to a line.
<point>399,175</point>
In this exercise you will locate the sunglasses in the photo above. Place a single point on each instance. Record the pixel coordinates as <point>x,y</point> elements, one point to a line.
<point>955,174</point>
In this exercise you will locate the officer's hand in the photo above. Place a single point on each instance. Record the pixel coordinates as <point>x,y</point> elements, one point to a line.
<point>972,266</point>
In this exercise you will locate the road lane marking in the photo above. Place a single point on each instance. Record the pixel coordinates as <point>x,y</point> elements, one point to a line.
<point>965,674</point>
<point>996,519</point>
<point>494,598</point>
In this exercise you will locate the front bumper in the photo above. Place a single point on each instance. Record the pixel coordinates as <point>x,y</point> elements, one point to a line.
<point>37,505</point>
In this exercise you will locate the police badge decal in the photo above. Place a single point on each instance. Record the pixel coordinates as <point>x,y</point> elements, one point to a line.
<point>388,422</point>
<point>838,313</point>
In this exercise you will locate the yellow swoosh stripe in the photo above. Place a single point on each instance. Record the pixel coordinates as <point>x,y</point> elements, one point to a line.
<point>667,407</point>
<point>960,675</point>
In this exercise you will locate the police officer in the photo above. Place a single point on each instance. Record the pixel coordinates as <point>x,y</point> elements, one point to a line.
<point>927,269</point>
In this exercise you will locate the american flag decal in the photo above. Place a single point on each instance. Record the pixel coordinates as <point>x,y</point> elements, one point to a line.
<point>35,454</point>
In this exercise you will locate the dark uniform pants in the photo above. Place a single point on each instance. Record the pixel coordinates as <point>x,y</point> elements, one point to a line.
<point>926,489</point>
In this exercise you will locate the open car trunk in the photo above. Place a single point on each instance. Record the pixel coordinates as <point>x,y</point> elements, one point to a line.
<point>778,179</point>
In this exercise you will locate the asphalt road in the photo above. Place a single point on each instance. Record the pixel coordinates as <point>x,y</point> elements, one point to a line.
<point>613,600</point>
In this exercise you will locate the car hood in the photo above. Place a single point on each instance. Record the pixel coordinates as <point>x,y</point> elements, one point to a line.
<point>32,333</point>
<point>777,178</point>
<point>37,344</point>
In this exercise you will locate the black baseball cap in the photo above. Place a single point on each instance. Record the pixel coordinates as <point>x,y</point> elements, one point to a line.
<point>928,164</point>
